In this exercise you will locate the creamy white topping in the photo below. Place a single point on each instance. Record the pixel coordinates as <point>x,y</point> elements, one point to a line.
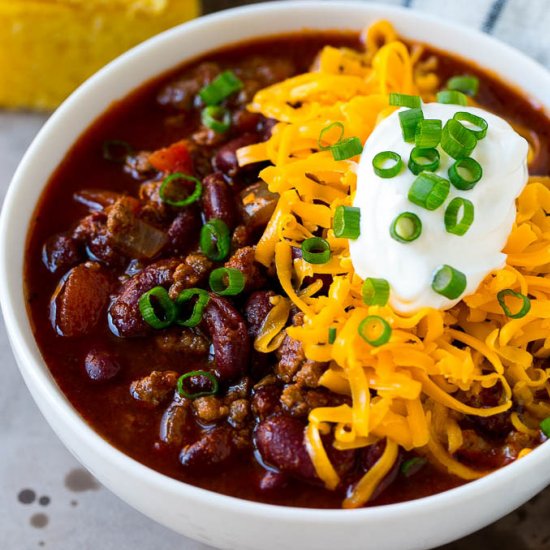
<point>409,267</point>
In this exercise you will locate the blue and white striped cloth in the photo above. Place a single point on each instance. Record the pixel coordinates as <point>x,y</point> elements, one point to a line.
<point>524,24</point>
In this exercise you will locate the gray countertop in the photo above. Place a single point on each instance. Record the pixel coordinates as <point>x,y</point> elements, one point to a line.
<point>48,500</point>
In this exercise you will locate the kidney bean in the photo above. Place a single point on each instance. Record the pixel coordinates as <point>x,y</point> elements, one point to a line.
<point>183,231</point>
<point>101,365</point>
<point>215,447</point>
<point>272,481</point>
<point>218,201</point>
<point>61,252</point>
<point>245,121</point>
<point>126,319</point>
<point>280,442</point>
<point>229,335</point>
<point>226,158</point>
<point>96,199</point>
<point>256,309</point>
<point>80,299</point>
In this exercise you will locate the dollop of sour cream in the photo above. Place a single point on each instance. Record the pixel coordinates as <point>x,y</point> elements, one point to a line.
<point>409,267</point>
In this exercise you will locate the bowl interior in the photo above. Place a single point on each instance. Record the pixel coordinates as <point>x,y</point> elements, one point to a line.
<point>115,81</point>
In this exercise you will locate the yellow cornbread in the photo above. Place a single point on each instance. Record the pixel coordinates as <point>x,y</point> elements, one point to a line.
<point>48,47</point>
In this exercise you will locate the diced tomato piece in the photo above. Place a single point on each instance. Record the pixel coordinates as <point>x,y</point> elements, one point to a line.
<point>175,158</point>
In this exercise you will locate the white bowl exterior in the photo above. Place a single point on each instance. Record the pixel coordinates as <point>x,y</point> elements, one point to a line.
<point>211,518</point>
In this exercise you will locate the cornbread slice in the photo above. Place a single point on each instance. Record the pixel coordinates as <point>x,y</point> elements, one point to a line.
<point>48,47</point>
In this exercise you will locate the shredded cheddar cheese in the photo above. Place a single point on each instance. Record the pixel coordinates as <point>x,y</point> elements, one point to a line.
<point>408,392</point>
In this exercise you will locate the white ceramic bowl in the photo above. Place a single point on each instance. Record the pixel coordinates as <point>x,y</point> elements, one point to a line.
<point>209,517</point>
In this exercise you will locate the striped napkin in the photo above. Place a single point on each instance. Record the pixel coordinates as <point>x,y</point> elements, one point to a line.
<point>524,24</point>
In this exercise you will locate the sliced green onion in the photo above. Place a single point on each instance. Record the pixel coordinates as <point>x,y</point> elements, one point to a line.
<point>465,173</point>
<point>449,282</point>
<point>347,222</point>
<point>170,182</point>
<point>387,164</point>
<point>220,88</point>
<point>477,125</point>
<point>184,393</point>
<point>525,303</point>
<point>316,250</point>
<point>215,240</point>
<point>347,148</point>
<point>412,466</point>
<point>464,208</point>
<point>545,426</point>
<point>452,97</point>
<point>429,190</point>
<point>326,129</point>
<point>423,160</point>
<point>375,292</point>
<point>409,120</point>
<point>331,335</point>
<point>116,150</point>
<point>198,307</point>
<point>156,308</point>
<point>374,330</point>
<point>227,281</point>
<point>216,118</point>
<point>428,133</point>
<point>405,100</point>
<point>406,227</point>
<point>466,84</point>
<point>456,140</point>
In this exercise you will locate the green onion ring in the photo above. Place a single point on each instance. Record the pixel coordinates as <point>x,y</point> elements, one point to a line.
<point>452,97</point>
<point>224,85</point>
<point>184,393</point>
<point>380,161</point>
<point>331,335</point>
<point>235,281</point>
<point>347,222</point>
<point>431,155</point>
<point>454,208</point>
<point>480,124</point>
<point>172,180</point>
<point>409,120</point>
<point>216,118</point>
<point>406,227</point>
<point>215,240</point>
<point>149,311</point>
<point>472,167</point>
<point>316,250</point>
<point>429,190</point>
<point>449,282</point>
<point>198,308</point>
<point>525,307</point>
<point>326,129</point>
<point>376,324</point>
<point>456,140</point>
<point>405,100</point>
<point>466,84</point>
<point>428,133</point>
<point>375,292</point>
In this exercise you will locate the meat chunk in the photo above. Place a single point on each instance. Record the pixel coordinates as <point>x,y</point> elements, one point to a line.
<point>298,401</point>
<point>291,359</point>
<point>125,316</point>
<point>215,447</point>
<point>210,409</point>
<point>154,388</point>
<point>190,273</point>
<point>183,340</point>
<point>244,260</point>
<point>80,299</point>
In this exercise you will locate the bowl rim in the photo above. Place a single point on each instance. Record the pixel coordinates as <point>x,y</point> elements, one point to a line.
<point>32,365</point>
